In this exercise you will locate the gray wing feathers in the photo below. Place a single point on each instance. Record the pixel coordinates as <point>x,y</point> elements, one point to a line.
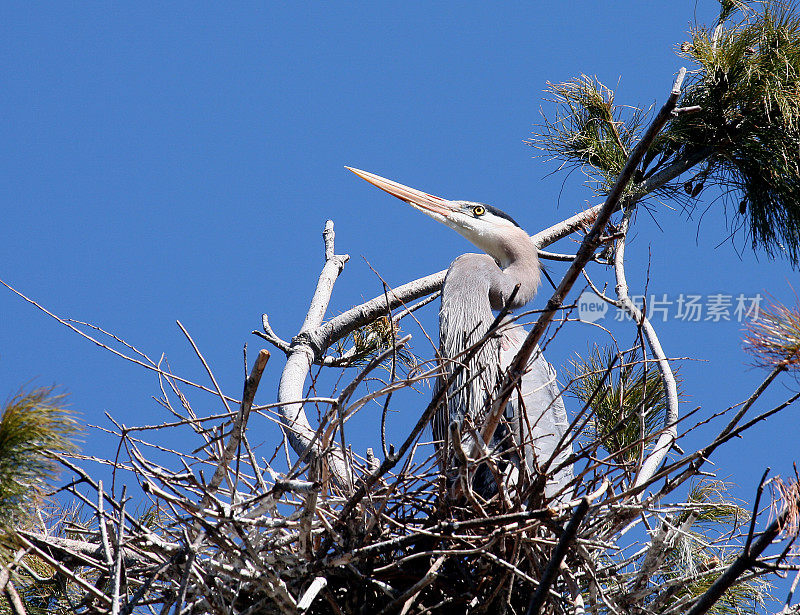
<point>464,317</point>
<point>543,420</point>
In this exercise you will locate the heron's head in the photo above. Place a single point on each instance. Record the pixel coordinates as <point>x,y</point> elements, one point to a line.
<point>488,228</point>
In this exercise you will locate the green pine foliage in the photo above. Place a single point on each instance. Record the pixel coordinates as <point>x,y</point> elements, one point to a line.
<point>774,338</point>
<point>626,400</point>
<point>714,514</point>
<point>364,344</point>
<point>744,74</point>
<point>588,131</point>
<point>32,425</point>
<point>748,86</point>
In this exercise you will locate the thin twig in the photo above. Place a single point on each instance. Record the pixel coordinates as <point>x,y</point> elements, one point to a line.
<point>550,573</point>
<point>746,559</point>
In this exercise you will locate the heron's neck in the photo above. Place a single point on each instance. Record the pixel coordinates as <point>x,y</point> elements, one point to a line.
<point>475,285</point>
<point>519,261</point>
<point>466,310</point>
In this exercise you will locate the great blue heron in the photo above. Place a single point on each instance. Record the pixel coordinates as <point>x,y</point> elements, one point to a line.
<point>475,285</point>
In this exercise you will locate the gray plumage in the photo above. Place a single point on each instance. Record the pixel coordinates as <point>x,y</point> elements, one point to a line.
<point>475,285</point>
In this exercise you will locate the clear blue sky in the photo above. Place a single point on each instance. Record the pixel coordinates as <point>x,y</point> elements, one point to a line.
<point>178,161</point>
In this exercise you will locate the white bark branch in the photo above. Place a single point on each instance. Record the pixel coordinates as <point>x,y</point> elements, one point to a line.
<point>301,356</point>
<point>317,585</point>
<point>347,322</point>
<point>670,430</point>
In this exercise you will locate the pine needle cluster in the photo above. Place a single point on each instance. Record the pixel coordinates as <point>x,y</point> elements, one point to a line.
<point>588,131</point>
<point>365,343</point>
<point>774,338</point>
<point>626,400</point>
<point>744,135</point>
<point>32,424</point>
<point>748,86</point>
<point>695,551</point>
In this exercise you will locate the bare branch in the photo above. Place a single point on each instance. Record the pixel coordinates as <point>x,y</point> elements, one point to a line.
<point>670,430</point>
<point>567,536</point>
<point>302,355</point>
<point>242,416</point>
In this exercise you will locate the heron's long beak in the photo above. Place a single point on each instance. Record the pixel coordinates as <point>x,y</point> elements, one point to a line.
<point>436,207</point>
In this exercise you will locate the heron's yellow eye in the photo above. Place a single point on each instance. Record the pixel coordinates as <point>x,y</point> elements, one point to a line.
<point>479,210</point>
